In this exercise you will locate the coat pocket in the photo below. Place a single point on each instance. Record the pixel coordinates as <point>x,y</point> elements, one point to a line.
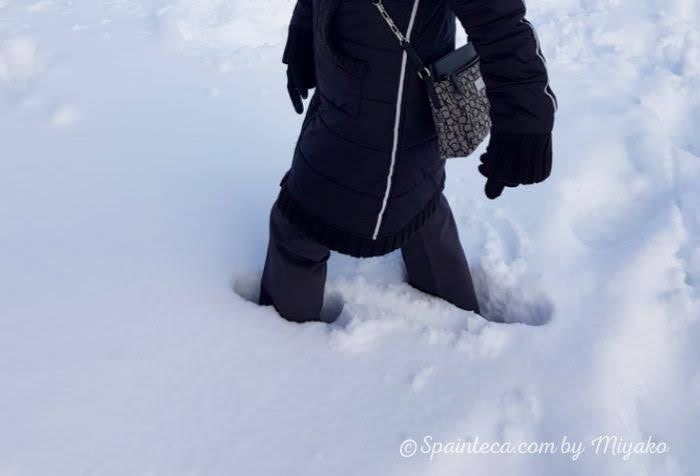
<point>340,79</point>
<point>342,89</point>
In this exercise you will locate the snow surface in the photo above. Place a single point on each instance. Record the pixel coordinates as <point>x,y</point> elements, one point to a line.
<point>141,144</point>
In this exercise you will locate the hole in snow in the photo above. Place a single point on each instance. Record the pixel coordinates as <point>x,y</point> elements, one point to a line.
<point>248,287</point>
<point>510,303</point>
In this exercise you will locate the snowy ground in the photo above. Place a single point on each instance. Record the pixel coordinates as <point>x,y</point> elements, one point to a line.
<point>141,144</point>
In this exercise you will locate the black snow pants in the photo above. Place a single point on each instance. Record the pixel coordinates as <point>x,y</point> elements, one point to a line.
<point>294,276</point>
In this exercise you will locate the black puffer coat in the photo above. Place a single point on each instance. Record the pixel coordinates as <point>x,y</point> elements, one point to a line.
<point>366,172</point>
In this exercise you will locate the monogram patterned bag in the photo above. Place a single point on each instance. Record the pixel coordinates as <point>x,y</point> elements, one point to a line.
<point>457,94</point>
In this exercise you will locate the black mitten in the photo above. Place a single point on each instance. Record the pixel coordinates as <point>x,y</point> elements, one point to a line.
<point>299,58</point>
<point>515,159</point>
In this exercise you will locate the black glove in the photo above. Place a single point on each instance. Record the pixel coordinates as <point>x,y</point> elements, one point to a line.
<point>515,159</point>
<point>299,58</point>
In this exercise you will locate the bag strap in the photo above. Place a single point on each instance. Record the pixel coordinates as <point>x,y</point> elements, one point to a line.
<point>423,71</point>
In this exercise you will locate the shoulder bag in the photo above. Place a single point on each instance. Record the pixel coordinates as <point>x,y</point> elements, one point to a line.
<point>457,94</point>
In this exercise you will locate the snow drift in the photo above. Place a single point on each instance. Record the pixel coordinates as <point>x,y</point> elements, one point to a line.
<point>141,144</point>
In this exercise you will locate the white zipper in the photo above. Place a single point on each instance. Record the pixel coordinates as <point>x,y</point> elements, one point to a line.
<point>397,122</point>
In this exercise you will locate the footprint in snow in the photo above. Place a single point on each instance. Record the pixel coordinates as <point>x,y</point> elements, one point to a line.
<point>248,287</point>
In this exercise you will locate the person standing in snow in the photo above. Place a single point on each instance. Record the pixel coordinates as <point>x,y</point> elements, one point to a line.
<point>366,176</point>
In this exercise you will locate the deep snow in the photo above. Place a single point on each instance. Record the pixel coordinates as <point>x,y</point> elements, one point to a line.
<point>141,144</point>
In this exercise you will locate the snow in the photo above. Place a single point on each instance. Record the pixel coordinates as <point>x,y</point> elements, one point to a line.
<point>65,116</point>
<point>141,144</point>
<point>18,61</point>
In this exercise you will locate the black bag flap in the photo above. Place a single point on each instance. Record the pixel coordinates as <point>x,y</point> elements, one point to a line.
<point>455,62</point>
